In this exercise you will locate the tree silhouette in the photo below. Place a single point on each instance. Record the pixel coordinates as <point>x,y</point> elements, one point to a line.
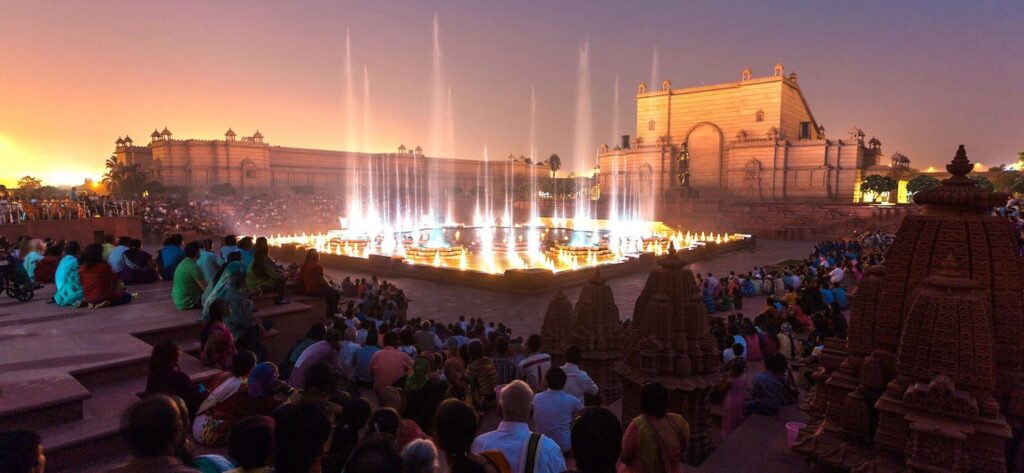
<point>555,163</point>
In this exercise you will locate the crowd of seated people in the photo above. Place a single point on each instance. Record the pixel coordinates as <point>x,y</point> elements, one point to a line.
<point>250,214</point>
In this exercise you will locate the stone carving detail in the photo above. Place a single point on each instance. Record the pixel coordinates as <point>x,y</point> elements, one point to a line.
<point>598,333</point>
<point>556,330</point>
<point>669,342</point>
<point>934,352</point>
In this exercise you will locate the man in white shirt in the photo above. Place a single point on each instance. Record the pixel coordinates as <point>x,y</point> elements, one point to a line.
<point>116,258</point>
<point>348,349</point>
<point>837,275</point>
<point>578,382</point>
<point>325,350</point>
<point>554,410</point>
<point>535,365</point>
<point>514,439</point>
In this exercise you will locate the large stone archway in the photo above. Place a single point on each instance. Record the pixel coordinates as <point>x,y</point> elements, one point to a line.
<point>704,143</point>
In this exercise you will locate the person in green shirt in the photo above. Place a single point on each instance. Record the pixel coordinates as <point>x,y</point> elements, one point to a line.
<point>264,275</point>
<point>189,284</point>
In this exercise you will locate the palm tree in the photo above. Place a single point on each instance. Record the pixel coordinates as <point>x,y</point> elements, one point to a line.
<point>123,179</point>
<point>555,163</point>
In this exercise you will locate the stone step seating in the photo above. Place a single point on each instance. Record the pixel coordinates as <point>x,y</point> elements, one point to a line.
<point>759,444</point>
<point>69,373</point>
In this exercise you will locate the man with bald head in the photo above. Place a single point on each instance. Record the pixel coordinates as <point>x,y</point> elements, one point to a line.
<point>526,451</point>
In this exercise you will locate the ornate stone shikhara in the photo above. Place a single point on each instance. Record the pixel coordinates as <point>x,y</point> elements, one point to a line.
<point>556,330</point>
<point>931,378</point>
<point>598,333</point>
<point>669,342</point>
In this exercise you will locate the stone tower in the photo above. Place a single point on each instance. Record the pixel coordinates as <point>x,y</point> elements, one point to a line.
<point>669,342</point>
<point>556,330</point>
<point>933,376</point>
<point>598,333</point>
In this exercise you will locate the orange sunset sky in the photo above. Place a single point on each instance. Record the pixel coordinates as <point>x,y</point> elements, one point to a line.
<point>75,75</point>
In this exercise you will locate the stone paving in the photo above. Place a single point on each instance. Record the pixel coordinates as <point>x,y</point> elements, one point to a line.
<point>523,313</point>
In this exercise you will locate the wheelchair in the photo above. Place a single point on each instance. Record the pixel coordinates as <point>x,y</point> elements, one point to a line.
<point>14,281</point>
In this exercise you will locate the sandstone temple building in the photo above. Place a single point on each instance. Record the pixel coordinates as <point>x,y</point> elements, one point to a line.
<point>755,138</point>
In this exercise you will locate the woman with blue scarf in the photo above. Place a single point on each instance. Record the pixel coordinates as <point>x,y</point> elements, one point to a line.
<point>69,286</point>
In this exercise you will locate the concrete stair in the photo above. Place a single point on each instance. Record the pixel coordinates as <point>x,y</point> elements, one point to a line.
<point>69,373</point>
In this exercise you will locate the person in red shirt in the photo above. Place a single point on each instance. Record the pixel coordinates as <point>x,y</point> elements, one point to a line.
<point>313,283</point>
<point>389,366</point>
<point>101,285</point>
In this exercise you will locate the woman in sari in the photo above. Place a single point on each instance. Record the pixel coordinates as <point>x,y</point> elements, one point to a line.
<point>264,275</point>
<point>216,340</point>
<point>69,286</point>
<point>212,431</point>
<point>32,256</point>
<point>227,286</point>
<point>47,267</point>
<point>137,266</point>
<point>655,440</point>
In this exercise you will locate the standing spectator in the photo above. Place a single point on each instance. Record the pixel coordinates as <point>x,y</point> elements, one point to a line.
<point>525,451</point>
<point>554,409</point>
<point>655,440</point>
<point>535,365</point>
<point>578,383</point>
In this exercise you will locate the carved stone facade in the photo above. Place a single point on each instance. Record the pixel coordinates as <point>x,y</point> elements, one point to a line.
<point>932,379</point>
<point>557,328</point>
<point>598,333</point>
<point>755,138</point>
<point>669,342</point>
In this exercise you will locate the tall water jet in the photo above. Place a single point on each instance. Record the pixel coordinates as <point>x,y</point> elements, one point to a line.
<point>615,111</point>
<point>449,115</point>
<point>583,147</point>
<point>436,95</point>
<point>655,73</point>
<point>532,174</point>
<point>350,98</point>
<point>367,145</point>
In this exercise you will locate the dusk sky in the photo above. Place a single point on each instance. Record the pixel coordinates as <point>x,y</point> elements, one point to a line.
<point>74,75</point>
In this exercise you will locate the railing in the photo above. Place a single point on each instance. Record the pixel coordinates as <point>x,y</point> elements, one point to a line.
<point>20,212</point>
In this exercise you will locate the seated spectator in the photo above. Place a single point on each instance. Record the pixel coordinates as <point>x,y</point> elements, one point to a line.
<point>116,256</point>
<point>504,361</point>
<point>426,340</point>
<point>312,282</point>
<point>408,430</point>
<point>21,451</point>
<point>458,384</point>
<point>32,255</point>
<point>514,439</point>
<point>554,409</point>
<point>348,350</point>
<point>535,365</point>
<point>189,283</point>
<point>216,341</point>
<point>228,247</point>
<point>209,263</point>
<point>46,268</point>
<point>363,375</point>
<point>264,275</point>
<point>655,440</point>
<point>374,454</point>
<point>316,333</point>
<point>137,267</point>
<point>323,351</point>
<point>578,382</point>
<point>407,343</point>
<point>772,389</point>
<point>108,245</point>
<point>153,430</point>
<point>100,285</point>
<point>66,279</point>
<point>165,377</point>
<point>420,456</point>
<point>596,440</point>
<point>455,425</point>
<point>245,247</point>
<point>301,432</point>
<point>354,414</point>
<point>169,256</point>
<point>735,352</point>
<point>225,385</point>
<point>321,382</point>
<point>389,366</point>
<point>482,374</point>
<point>424,391</point>
<point>734,385</point>
<point>251,444</point>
